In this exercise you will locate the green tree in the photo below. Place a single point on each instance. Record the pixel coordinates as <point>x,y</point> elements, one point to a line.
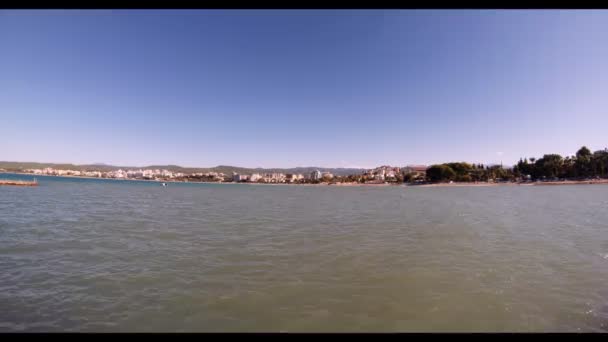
<point>583,152</point>
<point>463,178</point>
<point>516,172</point>
<point>599,163</point>
<point>550,166</point>
<point>583,162</point>
<point>460,168</point>
<point>438,173</point>
<point>568,168</point>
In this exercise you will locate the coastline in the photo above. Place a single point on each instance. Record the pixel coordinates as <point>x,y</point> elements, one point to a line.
<point>482,184</point>
<point>458,184</point>
<point>592,181</point>
<point>193,182</point>
<point>430,185</point>
<point>87,177</point>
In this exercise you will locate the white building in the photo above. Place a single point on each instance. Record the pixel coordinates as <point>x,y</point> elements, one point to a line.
<point>255,177</point>
<point>239,178</point>
<point>92,174</point>
<point>274,178</point>
<point>135,173</point>
<point>118,174</point>
<point>316,175</point>
<point>290,178</point>
<point>148,174</point>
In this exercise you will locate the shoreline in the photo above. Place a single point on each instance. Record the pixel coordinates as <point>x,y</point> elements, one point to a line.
<point>592,181</point>
<point>482,184</point>
<point>194,182</point>
<point>429,185</point>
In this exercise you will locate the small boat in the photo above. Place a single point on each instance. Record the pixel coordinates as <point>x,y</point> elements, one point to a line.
<point>163,184</point>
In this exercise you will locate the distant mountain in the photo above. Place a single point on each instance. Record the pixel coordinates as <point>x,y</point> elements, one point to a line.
<point>18,166</point>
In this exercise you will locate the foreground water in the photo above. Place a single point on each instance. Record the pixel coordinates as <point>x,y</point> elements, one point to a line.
<point>91,255</point>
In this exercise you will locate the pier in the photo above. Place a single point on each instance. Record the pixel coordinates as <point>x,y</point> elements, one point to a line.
<point>18,182</point>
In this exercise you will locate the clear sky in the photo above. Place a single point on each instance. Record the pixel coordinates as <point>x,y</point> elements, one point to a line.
<point>301,88</point>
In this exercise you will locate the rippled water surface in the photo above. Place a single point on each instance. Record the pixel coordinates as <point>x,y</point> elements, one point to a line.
<point>92,255</point>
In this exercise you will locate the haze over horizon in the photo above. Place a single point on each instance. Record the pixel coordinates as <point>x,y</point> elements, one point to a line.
<point>284,89</point>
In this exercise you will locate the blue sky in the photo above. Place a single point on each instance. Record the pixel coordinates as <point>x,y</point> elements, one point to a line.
<point>301,88</point>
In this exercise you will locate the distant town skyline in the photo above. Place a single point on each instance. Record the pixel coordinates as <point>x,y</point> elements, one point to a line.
<point>284,89</point>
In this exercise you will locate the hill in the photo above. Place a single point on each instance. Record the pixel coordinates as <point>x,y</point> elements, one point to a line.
<point>227,169</point>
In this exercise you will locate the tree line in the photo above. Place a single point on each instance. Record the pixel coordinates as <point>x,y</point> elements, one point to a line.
<point>584,164</point>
